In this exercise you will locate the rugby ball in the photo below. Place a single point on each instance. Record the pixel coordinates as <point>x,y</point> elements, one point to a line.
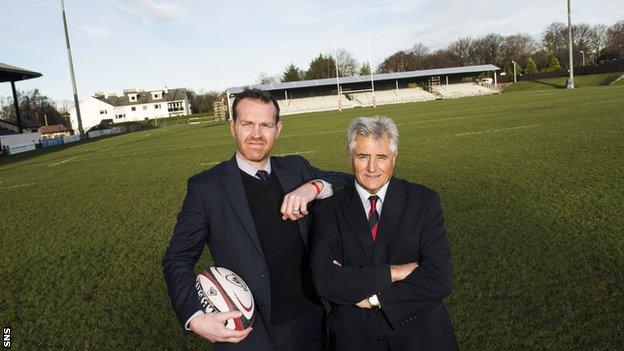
<point>221,290</point>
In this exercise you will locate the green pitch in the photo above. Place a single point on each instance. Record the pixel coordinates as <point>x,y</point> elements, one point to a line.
<point>532,184</point>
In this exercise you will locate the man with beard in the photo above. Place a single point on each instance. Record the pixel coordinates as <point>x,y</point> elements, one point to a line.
<point>236,208</point>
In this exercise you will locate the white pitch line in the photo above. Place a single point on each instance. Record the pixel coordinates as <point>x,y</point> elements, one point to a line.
<point>316,133</point>
<point>295,153</point>
<point>210,163</point>
<point>60,163</point>
<point>497,130</point>
<point>601,102</point>
<point>17,186</point>
<point>433,120</point>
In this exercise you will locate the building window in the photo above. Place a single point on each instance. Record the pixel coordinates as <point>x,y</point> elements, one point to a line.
<point>157,106</point>
<point>133,108</point>
<point>103,112</point>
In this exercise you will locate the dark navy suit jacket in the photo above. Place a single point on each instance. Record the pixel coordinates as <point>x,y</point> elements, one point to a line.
<point>216,212</point>
<point>411,228</point>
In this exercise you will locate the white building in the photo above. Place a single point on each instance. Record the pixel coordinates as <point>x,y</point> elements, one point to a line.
<point>132,105</point>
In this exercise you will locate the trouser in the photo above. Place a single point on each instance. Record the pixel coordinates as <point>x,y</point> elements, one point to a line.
<point>307,333</point>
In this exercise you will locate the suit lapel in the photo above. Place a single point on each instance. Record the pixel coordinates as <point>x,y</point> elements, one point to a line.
<point>356,217</point>
<point>235,191</point>
<point>391,212</point>
<point>287,178</point>
<point>289,181</point>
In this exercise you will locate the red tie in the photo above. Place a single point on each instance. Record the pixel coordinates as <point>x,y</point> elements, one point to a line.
<point>373,217</point>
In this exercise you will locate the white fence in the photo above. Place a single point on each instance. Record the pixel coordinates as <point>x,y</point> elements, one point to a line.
<point>19,148</point>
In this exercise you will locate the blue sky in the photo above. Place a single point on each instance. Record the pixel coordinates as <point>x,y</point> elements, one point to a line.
<point>212,45</point>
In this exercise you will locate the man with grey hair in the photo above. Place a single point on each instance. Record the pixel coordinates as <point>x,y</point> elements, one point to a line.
<point>380,254</point>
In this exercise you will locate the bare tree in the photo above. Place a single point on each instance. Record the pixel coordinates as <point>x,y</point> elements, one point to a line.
<point>347,64</point>
<point>400,61</point>
<point>463,51</point>
<point>264,78</point>
<point>615,39</point>
<point>598,39</point>
<point>519,47</point>
<point>554,40</point>
<point>489,49</point>
<point>35,108</point>
<point>64,106</point>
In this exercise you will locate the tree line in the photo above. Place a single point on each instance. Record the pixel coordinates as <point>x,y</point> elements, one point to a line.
<point>590,44</point>
<point>548,53</point>
<point>35,109</point>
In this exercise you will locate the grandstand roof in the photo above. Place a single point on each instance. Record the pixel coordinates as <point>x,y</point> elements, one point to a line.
<point>366,78</point>
<point>10,73</point>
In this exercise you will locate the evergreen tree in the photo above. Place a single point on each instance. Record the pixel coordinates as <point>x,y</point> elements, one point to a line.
<point>321,67</point>
<point>553,64</point>
<point>365,70</point>
<point>531,67</point>
<point>292,74</point>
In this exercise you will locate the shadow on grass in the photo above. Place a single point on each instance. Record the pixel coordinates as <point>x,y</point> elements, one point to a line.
<point>557,86</point>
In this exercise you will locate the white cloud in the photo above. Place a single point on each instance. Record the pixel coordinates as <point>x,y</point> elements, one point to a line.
<point>152,12</point>
<point>96,32</point>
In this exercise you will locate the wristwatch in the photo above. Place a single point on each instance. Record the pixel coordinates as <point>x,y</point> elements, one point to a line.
<point>373,300</point>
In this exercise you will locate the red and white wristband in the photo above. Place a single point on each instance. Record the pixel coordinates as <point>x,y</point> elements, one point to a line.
<point>316,186</point>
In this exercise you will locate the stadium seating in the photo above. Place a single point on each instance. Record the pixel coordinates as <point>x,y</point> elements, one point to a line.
<point>454,91</point>
<point>313,104</point>
<point>385,97</point>
<point>381,97</point>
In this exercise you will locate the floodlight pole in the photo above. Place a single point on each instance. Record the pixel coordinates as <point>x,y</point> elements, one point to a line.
<point>370,64</point>
<point>570,84</point>
<point>71,71</point>
<point>337,78</point>
<point>514,66</point>
<point>227,95</point>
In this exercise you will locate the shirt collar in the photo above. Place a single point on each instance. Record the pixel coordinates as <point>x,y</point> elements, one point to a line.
<point>249,169</point>
<point>364,194</point>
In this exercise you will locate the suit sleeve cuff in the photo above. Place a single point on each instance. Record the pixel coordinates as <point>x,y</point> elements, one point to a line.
<point>187,325</point>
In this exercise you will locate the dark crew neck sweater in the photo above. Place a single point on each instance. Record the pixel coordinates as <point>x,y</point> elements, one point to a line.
<point>292,290</point>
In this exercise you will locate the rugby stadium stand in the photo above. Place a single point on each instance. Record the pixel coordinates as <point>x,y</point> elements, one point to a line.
<point>380,89</point>
<point>386,97</point>
<point>313,104</point>
<point>453,91</point>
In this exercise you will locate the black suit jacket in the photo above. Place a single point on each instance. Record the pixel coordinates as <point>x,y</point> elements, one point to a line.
<point>216,212</point>
<point>411,228</point>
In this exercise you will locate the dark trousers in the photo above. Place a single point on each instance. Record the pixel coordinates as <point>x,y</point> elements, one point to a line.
<point>307,333</point>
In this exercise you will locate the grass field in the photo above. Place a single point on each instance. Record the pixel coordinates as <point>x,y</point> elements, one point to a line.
<point>584,81</point>
<point>532,184</point>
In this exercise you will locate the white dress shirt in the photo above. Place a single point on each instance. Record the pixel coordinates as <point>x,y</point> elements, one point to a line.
<point>364,195</point>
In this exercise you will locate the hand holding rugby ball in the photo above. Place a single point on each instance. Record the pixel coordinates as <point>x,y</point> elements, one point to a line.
<point>221,290</point>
